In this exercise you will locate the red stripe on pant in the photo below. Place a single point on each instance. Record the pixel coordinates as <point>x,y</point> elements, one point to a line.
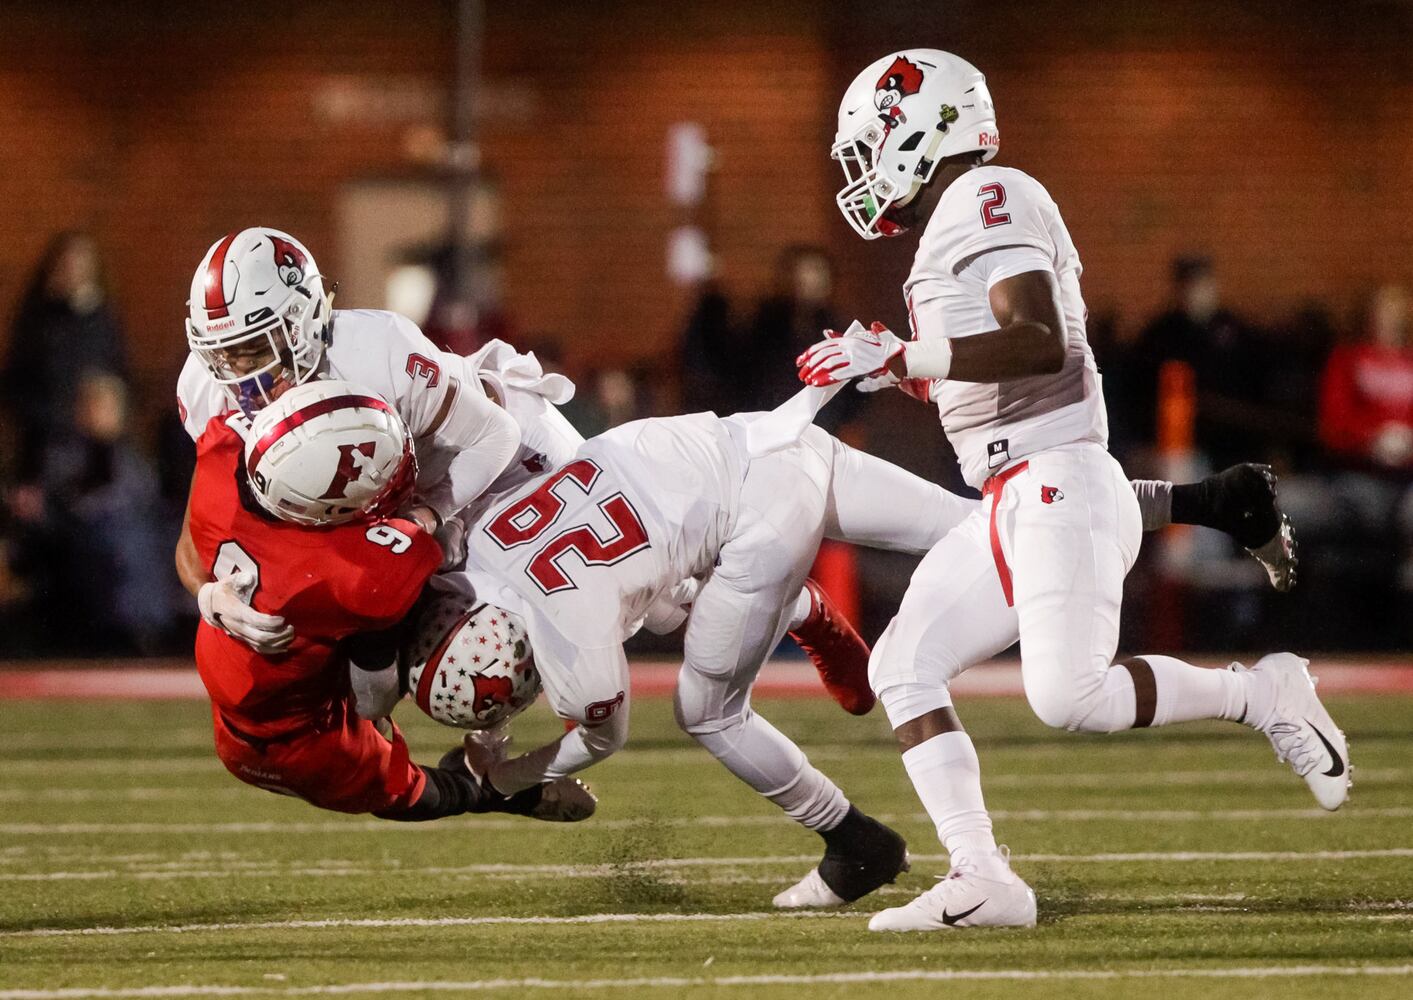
<point>992,488</point>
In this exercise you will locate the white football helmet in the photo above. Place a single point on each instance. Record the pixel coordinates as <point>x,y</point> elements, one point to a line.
<point>898,118</point>
<point>258,315</point>
<point>328,452</point>
<point>469,664</point>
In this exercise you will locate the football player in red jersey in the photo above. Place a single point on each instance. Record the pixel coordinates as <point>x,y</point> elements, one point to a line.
<point>344,576</point>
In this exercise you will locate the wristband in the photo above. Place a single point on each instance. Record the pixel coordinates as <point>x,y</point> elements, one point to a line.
<point>928,358</point>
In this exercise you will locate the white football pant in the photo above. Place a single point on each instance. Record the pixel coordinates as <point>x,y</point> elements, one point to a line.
<point>1043,560</point>
<point>790,500</point>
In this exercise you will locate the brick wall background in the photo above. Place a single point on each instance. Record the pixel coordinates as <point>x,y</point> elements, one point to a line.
<point>1277,137</point>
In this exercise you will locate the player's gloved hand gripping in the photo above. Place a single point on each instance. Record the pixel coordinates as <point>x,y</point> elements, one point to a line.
<point>223,605</point>
<point>839,358</point>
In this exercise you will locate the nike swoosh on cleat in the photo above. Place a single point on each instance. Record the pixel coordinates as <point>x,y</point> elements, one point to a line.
<point>1336,769</point>
<point>951,918</point>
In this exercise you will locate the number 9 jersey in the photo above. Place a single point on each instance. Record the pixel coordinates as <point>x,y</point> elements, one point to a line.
<point>327,583</point>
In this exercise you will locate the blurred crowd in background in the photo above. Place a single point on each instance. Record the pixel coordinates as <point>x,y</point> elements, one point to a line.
<point>93,482</point>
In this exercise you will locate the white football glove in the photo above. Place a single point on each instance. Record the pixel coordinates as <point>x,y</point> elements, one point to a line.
<point>854,355</point>
<point>225,605</point>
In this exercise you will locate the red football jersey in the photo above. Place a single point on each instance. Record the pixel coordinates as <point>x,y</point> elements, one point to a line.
<point>329,583</point>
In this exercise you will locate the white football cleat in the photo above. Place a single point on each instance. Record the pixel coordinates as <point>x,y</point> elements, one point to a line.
<point>1286,708</point>
<point>984,893</point>
<point>809,893</point>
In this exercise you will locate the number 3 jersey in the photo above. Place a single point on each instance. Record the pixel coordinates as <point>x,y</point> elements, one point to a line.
<point>387,354</point>
<point>582,553</point>
<point>994,223</point>
<point>327,583</point>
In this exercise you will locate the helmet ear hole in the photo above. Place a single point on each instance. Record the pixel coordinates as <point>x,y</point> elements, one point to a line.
<point>911,143</point>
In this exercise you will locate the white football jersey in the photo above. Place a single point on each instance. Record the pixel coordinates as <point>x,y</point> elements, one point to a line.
<point>993,223</point>
<point>381,350</point>
<point>386,353</point>
<point>583,552</point>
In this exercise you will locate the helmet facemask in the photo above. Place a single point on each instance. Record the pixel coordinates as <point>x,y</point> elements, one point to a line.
<point>867,194</point>
<point>256,365</point>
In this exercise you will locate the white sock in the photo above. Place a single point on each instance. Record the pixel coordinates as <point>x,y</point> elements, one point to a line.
<point>946,773</point>
<point>804,606</point>
<point>1186,692</point>
<point>812,800</point>
<point>1155,502</point>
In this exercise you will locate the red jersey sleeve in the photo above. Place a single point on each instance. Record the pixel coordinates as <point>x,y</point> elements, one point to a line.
<point>384,569</point>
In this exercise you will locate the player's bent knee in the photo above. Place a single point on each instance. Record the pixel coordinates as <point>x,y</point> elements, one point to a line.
<point>1087,706</point>
<point>1053,704</point>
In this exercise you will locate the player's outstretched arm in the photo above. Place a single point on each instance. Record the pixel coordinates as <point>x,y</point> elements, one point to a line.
<point>190,570</point>
<point>577,749</point>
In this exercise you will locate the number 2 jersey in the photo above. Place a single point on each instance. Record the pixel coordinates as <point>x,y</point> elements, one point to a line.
<point>327,583</point>
<point>583,552</point>
<point>994,223</point>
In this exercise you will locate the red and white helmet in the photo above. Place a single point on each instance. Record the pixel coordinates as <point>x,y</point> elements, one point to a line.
<point>469,664</point>
<point>898,118</point>
<point>328,452</point>
<point>258,314</point>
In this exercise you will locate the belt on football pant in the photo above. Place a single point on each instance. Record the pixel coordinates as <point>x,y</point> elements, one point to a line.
<point>992,488</point>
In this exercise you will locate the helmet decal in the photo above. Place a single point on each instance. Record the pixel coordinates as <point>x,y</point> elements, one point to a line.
<point>900,80</point>
<point>290,260</point>
<point>355,461</point>
<point>490,692</point>
<point>216,299</point>
<point>948,115</point>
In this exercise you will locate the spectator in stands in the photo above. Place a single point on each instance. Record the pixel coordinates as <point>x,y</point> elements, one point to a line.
<point>1214,343</point>
<point>1366,393</point>
<point>789,320</point>
<point>109,587</point>
<point>711,350</point>
<point>63,331</point>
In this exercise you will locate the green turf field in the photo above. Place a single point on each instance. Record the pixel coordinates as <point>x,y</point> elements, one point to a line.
<point>1185,862</point>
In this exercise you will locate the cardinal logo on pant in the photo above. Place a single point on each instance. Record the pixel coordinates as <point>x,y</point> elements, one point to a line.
<point>1050,494</point>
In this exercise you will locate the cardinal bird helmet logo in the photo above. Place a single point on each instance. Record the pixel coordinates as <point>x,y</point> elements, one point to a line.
<point>290,260</point>
<point>900,80</point>
<point>490,692</point>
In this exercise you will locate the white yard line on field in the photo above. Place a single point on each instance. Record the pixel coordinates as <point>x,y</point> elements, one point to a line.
<point>503,823</point>
<point>377,922</point>
<point>1261,775</point>
<point>717,982</point>
<point>112,765</point>
<point>186,738</point>
<point>520,871</point>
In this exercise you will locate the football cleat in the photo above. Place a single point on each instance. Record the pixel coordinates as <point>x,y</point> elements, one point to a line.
<point>1278,556</point>
<point>860,855</point>
<point>1283,705</point>
<point>837,652</point>
<point>1242,501</point>
<point>976,893</point>
<point>809,893</point>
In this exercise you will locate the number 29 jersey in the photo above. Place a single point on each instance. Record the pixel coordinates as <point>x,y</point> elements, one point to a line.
<point>583,552</point>
<point>327,583</point>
